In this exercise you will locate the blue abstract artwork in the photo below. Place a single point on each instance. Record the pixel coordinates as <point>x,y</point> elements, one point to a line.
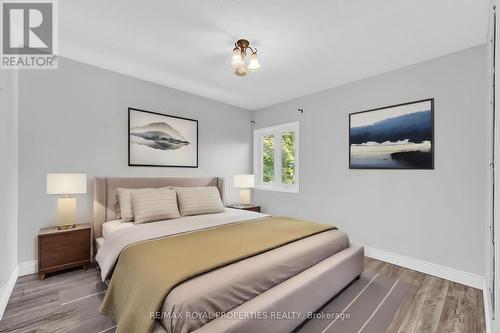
<point>394,137</point>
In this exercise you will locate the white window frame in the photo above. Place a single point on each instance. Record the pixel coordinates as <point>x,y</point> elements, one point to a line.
<point>277,184</point>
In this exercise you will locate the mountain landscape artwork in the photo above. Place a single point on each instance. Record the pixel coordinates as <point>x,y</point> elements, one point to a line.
<point>393,137</point>
<point>156,139</point>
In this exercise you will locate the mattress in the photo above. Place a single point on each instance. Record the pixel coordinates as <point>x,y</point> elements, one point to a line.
<point>197,301</point>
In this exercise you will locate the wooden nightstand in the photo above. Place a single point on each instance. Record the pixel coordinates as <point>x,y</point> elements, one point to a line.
<point>62,249</point>
<point>252,208</point>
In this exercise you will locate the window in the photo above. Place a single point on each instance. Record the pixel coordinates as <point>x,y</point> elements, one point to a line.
<point>276,158</point>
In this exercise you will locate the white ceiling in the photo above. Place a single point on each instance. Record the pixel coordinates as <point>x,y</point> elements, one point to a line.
<point>304,46</point>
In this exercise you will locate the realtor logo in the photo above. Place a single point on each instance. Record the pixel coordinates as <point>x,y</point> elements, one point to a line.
<point>28,35</point>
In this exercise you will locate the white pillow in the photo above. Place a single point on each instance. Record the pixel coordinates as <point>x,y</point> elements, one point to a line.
<point>154,204</point>
<point>199,200</point>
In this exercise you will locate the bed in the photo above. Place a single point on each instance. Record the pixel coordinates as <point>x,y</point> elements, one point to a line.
<point>247,295</point>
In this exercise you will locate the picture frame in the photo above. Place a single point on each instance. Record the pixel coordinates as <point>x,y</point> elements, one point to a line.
<point>161,140</point>
<point>396,137</point>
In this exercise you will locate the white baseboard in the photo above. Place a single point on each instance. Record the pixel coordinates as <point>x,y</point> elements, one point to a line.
<point>455,275</point>
<point>6,290</point>
<point>28,267</point>
<point>21,269</point>
<point>487,306</point>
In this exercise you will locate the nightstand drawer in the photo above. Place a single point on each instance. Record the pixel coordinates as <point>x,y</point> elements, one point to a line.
<point>62,249</point>
<point>64,240</point>
<point>63,256</point>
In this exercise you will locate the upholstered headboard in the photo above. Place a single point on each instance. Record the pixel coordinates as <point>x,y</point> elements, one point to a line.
<point>106,200</point>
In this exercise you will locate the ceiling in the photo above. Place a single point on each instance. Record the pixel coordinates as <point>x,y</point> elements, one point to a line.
<point>304,46</point>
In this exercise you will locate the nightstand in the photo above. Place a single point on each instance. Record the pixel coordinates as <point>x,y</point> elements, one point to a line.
<point>252,208</point>
<point>62,249</point>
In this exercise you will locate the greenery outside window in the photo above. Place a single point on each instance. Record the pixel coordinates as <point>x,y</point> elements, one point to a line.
<point>276,158</point>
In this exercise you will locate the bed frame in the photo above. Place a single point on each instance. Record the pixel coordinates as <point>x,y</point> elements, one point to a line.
<point>305,292</point>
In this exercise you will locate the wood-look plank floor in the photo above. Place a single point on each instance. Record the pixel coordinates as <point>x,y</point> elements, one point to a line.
<point>68,302</point>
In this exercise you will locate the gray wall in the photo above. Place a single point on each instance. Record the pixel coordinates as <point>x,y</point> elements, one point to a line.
<point>436,216</point>
<point>8,173</point>
<point>75,119</point>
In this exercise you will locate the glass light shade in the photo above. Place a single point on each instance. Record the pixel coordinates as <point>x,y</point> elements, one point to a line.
<point>241,71</point>
<point>254,62</point>
<point>237,60</point>
<point>66,183</point>
<point>244,181</point>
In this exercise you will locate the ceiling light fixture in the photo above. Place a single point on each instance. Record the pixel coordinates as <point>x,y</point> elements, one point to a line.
<point>239,54</point>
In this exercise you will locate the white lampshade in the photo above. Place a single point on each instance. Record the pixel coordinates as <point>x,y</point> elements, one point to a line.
<point>66,183</point>
<point>237,60</point>
<point>244,181</point>
<point>254,62</point>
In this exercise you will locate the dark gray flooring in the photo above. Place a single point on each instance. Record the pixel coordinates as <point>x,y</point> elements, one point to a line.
<point>56,304</point>
<point>387,298</point>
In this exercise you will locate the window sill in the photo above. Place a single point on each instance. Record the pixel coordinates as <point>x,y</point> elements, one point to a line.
<point>277,189</point>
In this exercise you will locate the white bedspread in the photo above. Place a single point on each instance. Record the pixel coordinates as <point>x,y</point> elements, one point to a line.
<point>116,242</point>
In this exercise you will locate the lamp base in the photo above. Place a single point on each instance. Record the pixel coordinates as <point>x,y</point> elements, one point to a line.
<point>66,227</point>
<point>67,211</point>
<point>245,198</point>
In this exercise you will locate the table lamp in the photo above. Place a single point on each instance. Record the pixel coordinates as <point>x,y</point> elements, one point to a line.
<point>66,184</point>
<point>245,183</point>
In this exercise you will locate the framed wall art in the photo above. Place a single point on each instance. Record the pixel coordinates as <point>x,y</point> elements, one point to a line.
<point>156,139</point>
<point>393,137</point>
